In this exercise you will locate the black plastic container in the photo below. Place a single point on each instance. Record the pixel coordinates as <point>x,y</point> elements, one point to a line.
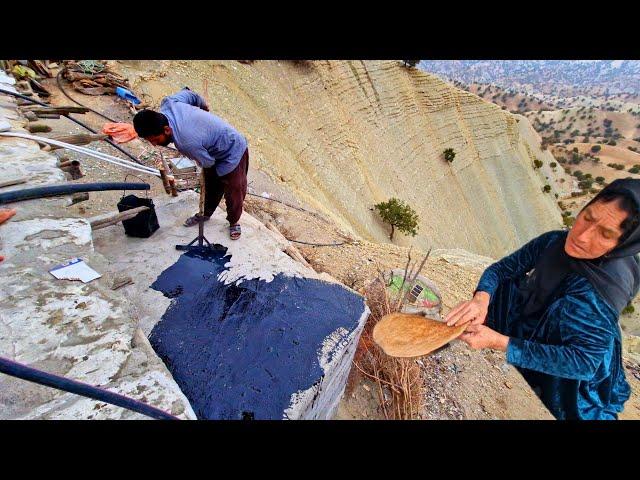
<point>144,223</point>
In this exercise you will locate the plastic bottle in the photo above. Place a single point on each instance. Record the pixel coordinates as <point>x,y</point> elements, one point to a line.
<point>127,95</point>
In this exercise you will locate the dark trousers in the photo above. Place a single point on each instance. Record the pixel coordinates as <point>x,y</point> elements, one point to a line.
<point>233,186</point>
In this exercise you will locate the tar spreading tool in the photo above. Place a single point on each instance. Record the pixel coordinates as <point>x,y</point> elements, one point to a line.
<point>200,243</point>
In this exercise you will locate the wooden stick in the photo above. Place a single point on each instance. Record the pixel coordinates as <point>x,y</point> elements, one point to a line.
<point>14,181</point>
<point>163,175</point>
<point>81,138</point>
<point>101,221</point>
<point>172,185</point>
<point>79,197</point>
<point>37,109</point>
<point>202,192</point>
<point>121,282</point>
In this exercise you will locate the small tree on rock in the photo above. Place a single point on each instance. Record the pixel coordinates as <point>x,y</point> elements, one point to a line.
<point>399,215</point>
<point>449,154</point>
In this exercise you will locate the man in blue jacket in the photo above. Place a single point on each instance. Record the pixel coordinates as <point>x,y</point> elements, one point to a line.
<point>220,150</point>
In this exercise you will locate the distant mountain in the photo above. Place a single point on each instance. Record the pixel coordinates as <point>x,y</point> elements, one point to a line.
<point>608,76</point>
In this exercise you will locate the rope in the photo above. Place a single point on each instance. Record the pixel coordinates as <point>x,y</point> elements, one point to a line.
<point>75,101</point>
<point>320,244</point>
<point>288,205</point>
<point>302,210</point>
<point>31,374</point>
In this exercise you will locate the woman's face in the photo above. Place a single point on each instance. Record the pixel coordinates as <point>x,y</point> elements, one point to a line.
<point>596,230</point>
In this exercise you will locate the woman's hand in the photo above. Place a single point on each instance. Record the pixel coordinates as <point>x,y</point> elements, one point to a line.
<point>474,311</point>
<point>481,336</point>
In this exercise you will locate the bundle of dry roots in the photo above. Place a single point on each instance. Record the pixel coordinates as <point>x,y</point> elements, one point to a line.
<point>399,381</point>
<point>93,77</point>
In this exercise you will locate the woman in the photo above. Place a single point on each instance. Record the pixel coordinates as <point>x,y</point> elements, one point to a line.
<point>553,306</point>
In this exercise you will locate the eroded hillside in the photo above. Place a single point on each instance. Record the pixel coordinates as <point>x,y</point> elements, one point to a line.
<point>344,135</point>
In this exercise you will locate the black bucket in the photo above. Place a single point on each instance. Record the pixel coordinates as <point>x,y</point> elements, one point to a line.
<point>144,223</point>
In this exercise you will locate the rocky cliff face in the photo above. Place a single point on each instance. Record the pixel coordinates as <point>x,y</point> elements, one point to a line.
<point>344,135</point>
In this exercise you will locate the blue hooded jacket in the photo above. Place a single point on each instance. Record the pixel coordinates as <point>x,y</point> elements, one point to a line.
<point>571,354</point>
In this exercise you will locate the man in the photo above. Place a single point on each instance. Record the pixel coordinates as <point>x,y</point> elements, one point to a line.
<point>553,307</point>
<point>216,146</point>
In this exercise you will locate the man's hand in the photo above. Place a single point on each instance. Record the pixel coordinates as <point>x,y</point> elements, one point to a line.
<point>481,336</point>
<point>474,311</point>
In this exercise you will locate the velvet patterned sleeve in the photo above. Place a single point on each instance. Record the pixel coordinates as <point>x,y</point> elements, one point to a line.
<point>587,330</point>
<point>516,264</point>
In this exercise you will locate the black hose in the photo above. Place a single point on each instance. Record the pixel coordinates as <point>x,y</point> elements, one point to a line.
<point>75,101</point>
<point>306,211</point>
<point>288,205</point>
<point>24,372</point>
<point>110,142</point>
<point>66,189</point>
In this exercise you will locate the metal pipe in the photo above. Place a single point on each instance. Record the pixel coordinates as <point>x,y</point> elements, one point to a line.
<point>110,142</point>
<point>86,151</point>
<point>81,149</point>
<point>67,189</point>
<point>31,374</point>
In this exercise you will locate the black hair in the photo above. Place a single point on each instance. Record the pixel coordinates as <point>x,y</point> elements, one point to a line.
<point>628,205</point>
<point>148,123</point>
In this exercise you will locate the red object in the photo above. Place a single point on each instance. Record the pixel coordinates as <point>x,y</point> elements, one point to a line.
<point>6,214</point>
<point>120,132</point>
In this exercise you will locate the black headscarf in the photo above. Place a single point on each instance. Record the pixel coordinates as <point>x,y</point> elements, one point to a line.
<point>615,276</point>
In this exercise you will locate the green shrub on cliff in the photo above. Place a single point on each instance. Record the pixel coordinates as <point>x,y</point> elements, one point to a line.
<point>449,154</point>
<point>399,215</point>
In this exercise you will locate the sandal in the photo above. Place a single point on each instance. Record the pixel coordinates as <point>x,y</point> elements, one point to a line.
<point>235,232</point>
<point>195,220</point>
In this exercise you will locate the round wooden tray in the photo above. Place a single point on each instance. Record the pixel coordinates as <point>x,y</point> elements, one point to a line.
<point>407,335</point>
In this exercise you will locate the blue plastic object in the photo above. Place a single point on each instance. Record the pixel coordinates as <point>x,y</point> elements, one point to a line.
<point>127,95</point>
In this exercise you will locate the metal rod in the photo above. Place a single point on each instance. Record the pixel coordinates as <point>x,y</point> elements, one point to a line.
<point>86,151</point>
<point>25,372</point>
<point>110,142</point>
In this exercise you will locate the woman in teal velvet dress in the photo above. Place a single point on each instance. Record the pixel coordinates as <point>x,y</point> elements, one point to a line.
<point>553,306</point>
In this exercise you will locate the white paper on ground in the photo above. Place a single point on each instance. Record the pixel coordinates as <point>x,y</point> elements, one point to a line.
<point>74,269</point>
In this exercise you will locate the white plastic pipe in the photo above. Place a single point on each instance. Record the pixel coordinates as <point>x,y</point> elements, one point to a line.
<point>86,151</point>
